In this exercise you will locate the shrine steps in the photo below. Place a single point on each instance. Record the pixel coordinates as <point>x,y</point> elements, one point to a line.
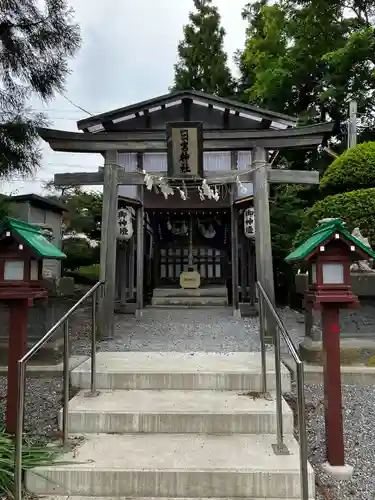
<point>200,297</point>
<point>173,425</point>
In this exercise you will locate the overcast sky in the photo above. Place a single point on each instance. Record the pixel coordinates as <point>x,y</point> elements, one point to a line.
<point>128,52</point>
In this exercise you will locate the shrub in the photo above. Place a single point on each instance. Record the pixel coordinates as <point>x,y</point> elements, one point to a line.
<point>354,169</point>
<point>33,455</point>
<point>356,208</point>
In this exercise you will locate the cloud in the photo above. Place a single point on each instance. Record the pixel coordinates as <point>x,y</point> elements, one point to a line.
<point>128,53</point>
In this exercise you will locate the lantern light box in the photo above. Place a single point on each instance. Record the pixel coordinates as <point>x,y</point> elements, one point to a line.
<point>22,250</point>
<point>329,253</point>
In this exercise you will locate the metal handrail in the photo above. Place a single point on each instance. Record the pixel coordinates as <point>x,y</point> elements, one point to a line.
<point>21,371</point>
<point>280,447</point>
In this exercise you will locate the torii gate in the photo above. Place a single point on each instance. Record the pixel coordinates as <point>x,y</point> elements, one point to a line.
<point>260,141</point>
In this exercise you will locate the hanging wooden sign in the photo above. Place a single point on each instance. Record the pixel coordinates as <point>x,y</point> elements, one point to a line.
<point>249,222</point>
<point>124,224</point>
<point>185,149</point>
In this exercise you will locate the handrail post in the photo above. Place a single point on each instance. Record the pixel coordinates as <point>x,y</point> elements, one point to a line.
<point>21,368</point>
<point>93,391</point>
<point>66,384</point>
<point>302,430</point>
<point>279,448</point>
<point>262,342</point>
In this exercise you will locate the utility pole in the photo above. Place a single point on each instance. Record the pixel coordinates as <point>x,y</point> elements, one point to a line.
<point>352,126</point>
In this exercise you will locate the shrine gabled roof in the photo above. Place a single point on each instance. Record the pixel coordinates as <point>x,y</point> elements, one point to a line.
<point>323,233</point>
<point>198,98</point>
<point>33,237</point>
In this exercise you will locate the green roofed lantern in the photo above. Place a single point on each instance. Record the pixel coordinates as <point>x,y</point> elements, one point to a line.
<point>329,252</point>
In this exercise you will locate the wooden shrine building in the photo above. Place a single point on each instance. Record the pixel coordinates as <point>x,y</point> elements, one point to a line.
<point>192,169</point>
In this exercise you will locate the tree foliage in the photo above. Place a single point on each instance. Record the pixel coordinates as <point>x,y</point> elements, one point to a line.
<point>308,58</point>
<point>36,40</point>
<point>84,210</point>
<point>356,208</point>
<point>82,224</point>
<point>354,169</point>
<point>202,61</point>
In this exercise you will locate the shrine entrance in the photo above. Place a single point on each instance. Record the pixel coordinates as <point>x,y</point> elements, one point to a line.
<point>198,240</point>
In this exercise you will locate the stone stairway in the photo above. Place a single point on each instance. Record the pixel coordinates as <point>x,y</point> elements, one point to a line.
<point>175,426</point>
<point>201,297</point>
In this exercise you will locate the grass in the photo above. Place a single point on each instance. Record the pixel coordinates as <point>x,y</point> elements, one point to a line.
<point>90,271</point>
<point>85,275</point>
<point>33,455</point>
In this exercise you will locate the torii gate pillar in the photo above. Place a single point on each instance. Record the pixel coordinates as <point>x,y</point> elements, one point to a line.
<point>263,244</point>
<point>108,245</point>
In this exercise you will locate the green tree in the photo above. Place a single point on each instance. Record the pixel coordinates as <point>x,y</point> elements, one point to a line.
<point>35,44</point>
<point>84,210</point>
<point>202,61</point>
<point>308,58</point>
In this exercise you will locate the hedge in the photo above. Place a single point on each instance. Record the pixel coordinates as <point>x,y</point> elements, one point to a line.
<point>356,208</point>
<point>354,169</point>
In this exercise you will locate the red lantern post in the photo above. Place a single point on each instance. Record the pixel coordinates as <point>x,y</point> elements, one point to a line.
<point>22,248</point>
<point>329,253</point>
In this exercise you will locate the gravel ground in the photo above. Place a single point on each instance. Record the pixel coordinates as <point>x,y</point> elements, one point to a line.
<point>217,330</point>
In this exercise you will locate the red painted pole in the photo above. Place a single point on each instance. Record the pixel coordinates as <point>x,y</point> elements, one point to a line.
<point>332,385</point>
<point>18,310</point>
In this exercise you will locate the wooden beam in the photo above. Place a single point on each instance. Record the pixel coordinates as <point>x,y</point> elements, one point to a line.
<point>237,144</point>
<point>293,176</point>
<point>214,140</point>
<point>146,135</point>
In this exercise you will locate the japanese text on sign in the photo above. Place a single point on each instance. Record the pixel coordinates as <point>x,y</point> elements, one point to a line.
<point>184,156</point>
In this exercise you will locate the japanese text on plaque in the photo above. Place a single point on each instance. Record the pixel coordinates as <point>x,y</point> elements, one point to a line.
<point>184,156</point>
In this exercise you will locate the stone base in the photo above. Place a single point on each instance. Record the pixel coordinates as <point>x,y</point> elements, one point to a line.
<point>248,310</point>
<point>50,354</point>
<point>236,313</point>
<point>352,351</point>
<point>341,473</point>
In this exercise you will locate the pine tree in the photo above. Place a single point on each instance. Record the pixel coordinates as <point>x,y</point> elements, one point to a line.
<point>35,43</point>
<point>202,61</point>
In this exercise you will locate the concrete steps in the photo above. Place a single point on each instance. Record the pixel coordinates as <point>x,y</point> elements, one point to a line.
<point>200,297</point>
<point>238,371</point>
<point>173,425</point>
<point>209,291</point>
<point>166,411</point>
<point>189,301</point>
<point>67,497</point>
<point>180,465</point>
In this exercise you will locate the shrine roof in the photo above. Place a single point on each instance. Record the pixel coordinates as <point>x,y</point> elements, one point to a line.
<point>34,238</point>
<point>323,233</point>
<point>163,102</point>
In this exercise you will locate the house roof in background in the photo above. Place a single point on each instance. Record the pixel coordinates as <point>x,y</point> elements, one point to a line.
<point>40,202</point>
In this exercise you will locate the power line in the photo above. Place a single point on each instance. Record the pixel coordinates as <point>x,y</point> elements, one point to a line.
<point>76,105</point>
